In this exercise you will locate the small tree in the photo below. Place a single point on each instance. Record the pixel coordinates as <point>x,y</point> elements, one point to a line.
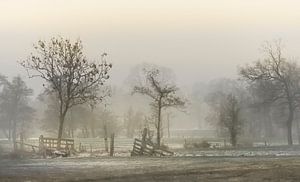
<point>217,99</point>
<point>229,117</point>
<point>162,91</point>
<point>70,76</point>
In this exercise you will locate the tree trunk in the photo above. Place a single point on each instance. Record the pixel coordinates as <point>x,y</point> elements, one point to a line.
<point>9,131</point>
<point>290,125</point>
<point>168,125</point>
<point>233,140</point>
<point>105,138</point>
<point>112,145</point>
<point>14,135</point>
<point>60,130</point>
<point>22,140</point>
<point>298,131</point>
<point>267,122</point>
<point>159,124</point>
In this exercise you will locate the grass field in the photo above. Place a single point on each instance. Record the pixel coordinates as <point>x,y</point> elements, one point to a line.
<point>152,169</point>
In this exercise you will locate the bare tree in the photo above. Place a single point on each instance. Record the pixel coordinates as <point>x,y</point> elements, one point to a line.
<point>282,74</point>
<point>69,75</point>
<point>161,90</point>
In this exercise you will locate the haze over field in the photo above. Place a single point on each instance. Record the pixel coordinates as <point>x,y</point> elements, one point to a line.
<point>150,90</point>
<point>199,40</point>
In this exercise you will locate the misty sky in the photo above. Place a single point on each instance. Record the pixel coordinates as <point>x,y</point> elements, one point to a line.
<point>198,39</point>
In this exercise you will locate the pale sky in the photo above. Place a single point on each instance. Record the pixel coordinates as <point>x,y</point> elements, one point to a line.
<point>198,39</point>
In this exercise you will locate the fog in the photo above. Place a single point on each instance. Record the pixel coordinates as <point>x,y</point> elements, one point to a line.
<point>208,90</point>
<point>199,40</point>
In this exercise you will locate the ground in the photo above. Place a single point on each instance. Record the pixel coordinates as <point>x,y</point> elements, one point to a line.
<point>274,168</point>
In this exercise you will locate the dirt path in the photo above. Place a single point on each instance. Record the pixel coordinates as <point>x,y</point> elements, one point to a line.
<point>152,169</point>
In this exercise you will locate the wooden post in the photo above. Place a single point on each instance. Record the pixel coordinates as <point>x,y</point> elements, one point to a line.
<point>42,146</point>
<point>112,141</point>
<point>22,141</point>
<point>105,138</point>
<point>80,149</point>
<point>144,137</point>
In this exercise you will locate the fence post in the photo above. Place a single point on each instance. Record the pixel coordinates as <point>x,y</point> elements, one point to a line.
<point>144,136</point>
<point>112,141</point>
<point>22,142</point>
<point>42,146</point>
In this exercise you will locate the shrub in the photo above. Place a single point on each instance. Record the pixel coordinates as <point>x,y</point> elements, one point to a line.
<point>197,145</point>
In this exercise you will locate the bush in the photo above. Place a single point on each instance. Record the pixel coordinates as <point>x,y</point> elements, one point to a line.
<point>197,145</point>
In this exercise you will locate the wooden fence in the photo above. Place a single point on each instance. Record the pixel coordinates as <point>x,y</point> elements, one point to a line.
<point>51,143</point>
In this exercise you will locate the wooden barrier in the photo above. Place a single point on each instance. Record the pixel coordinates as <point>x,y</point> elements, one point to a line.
<point>51,143</point>
<point>47,146</point>
<point>146,147</point>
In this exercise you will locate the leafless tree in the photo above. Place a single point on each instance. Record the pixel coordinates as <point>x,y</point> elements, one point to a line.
<point>70,76</point>
<point>282,74</point>
<point>161,90</point>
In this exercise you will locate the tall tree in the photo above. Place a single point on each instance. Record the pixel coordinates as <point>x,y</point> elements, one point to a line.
<point>282,74</point>
<point>161,90</point>
<point>70,76</point>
